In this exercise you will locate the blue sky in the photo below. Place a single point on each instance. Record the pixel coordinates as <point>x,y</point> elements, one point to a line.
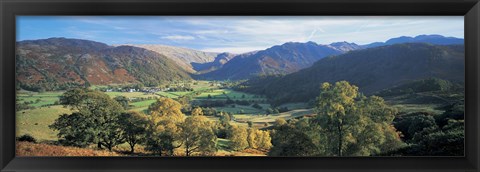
<point>235,34</point>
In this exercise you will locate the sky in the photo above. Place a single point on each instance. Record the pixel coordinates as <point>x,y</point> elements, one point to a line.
<point>235,34</point>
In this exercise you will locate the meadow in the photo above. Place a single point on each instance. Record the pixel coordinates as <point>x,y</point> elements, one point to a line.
<point>35,121</point>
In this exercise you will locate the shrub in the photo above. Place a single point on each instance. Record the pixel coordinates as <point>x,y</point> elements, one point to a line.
<point>27,138</point>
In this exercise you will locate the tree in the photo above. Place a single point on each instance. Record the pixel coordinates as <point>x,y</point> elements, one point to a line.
<point>96,119</point>
<point>256,106</point>
<point>251,138</point>
<point>197,111</point>
<point>447,141</point>
<point>166,108</point>
<point>72,130</point>
<point>354,124</point>
<point>238,137</point>
<point>250,124</point>
<point>279,122</point>
<point>263,140</point>
<point>197,136</point>
<point>258,139</point>
<point>133,125</point>
<point>163,129</point>
<point>418,124</point>
<point>123,101</point>
<point>289,141</point>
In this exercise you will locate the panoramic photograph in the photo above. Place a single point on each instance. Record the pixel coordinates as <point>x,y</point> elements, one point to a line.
<point>279,86</point>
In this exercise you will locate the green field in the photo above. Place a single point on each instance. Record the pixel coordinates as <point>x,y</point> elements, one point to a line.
<point>45,98</point>
<point>228,93</point>
<point>271,118</point>
<point>35,122</point>
<point>245,109</point>
<point>141,106</point>
<point>173,94</point>
<point>202,85</point>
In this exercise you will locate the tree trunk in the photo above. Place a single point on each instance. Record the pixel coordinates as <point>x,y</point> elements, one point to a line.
<point>132,146</point>
<point>109,147</point>
<point>99,145</point>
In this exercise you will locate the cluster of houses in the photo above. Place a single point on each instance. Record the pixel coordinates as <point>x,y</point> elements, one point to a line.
<point>150,90</point>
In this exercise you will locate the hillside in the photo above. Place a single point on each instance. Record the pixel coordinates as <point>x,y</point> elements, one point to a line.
<point>60,63</point>
<point>184,57</point>
<point>372,69</point>
<point>281,59</point>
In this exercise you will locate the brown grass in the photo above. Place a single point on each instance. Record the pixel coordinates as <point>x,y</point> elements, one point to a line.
<point>39,149</point>
<point>43,149</point>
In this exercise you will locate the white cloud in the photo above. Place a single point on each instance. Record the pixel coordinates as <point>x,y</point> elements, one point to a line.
<point>178,37</point>
<point>240,34</point>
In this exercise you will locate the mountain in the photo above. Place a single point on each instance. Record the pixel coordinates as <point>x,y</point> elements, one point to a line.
<point>219,61</point>
<point>182,56</point>
<point>281,59</point>
<point>60,63</point>
<point>372,70</point>
<point>432,39</point>
<point>345,46</point>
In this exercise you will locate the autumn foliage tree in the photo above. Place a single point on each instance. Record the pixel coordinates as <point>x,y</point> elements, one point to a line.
<point>238,137</point>
<point>197,135</point>
<point>163,128</point>
<point>355,124</point>
<point>258,139</point>
<point>347,124</point>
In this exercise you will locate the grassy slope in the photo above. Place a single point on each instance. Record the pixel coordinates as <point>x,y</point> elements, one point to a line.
<point>35,122</point>
<point>46,98</point>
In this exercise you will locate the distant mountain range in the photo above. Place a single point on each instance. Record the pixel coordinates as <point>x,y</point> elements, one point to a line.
<point>59,63</point>
<point>371,69</point>
<point>432,39</point>
<point>281,59</point>
<point>291,57</point>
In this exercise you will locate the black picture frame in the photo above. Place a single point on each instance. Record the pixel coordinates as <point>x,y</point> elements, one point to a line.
<point>470,9</point>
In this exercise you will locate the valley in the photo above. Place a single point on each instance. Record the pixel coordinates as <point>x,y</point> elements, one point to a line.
<point>42,108</point>
<point>153,100</point>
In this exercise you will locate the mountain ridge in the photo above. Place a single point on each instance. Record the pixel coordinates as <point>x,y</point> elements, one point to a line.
<point>370,69</point>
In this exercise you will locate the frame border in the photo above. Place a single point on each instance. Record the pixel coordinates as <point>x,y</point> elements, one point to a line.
<point>470,9</point>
